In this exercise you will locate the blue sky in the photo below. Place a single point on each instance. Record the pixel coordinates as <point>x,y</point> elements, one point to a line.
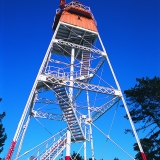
<point>130,31</point>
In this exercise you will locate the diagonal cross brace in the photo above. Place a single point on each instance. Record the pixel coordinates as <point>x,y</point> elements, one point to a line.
<point>53,79</point>
<point>47,115</point>
<point>61,42</point>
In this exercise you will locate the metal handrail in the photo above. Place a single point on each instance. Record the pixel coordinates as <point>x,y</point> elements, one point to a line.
<point>75,4</point>
<point>54,146</point>
<point>62,74</point>
<point>78,5</point>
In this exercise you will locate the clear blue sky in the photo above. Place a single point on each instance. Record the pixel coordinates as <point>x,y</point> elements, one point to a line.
<point>130,31</point>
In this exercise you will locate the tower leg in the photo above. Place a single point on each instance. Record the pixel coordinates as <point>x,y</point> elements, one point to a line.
<point>125,105</point>
<point>29,101</point>
<point>24,132</point>
<point>85,155</point>
<point>68,157</point>
<point>134,130</point>
<point>71,74</point>
<point>90,127</point>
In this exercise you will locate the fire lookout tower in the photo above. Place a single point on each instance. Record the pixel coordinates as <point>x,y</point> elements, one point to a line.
<point>71,78</point>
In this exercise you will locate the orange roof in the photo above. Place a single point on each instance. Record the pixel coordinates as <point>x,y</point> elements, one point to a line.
<point>79,21</point>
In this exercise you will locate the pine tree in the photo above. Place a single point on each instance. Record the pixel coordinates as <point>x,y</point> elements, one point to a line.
<point>3,136</point>
<point>144,105</point>
<point>76,156</point>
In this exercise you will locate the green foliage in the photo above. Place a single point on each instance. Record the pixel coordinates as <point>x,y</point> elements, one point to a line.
<point>144,105</point>
<point>3,136</point>
<point>76,156</point>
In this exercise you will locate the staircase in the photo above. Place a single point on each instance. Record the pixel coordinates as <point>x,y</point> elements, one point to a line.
<point>85,60</point>
<point>69,113</point>
<point>55,149</point>
<point>85,64</point>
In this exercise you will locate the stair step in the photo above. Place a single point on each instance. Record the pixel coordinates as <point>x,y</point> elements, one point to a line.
<point>59,95</point>
<point>63,96</point>
<point>67,110</point>
<point>66,106</point>
<point>61,92</point>
<point>77,135</point>
<point>78,130</point>
<point>74,128</point>
<point>78,139</point>
<point>63,99</point>
<point>71,124</point>
<point>63,104</point>
<point>58,87</point>
<point>71,120</point>
<point>70,116</point>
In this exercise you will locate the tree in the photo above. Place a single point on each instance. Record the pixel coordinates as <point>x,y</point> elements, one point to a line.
<point>76,156</point>
<point>3,136</point>
<point>144,105</point>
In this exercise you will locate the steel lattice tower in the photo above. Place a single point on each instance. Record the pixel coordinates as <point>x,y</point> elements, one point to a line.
<point>69,77</point>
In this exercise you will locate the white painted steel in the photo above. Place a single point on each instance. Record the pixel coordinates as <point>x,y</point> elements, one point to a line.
<point>49,80</point>
<point>90,127</point>
<point>23,135</point>
<point>71,75</point>
<point>123,100</point>
<point>33,90</point>
<point>85,147</point>
<point>68,144</point>
<point>97,51</point>
<point>81,85</point>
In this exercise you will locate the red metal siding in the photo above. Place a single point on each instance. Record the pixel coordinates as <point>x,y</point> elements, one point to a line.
<point>78,21</point>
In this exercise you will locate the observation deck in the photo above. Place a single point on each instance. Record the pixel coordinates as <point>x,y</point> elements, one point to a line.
<point>74,24</point>
<point>74,8</point>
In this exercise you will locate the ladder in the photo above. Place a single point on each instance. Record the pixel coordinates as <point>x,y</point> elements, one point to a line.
<point>85,60</point>
<point>69,113</point>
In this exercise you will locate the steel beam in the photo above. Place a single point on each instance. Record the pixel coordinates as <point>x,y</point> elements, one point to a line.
<point>46,115</point>
<point>53,79</point>
<point>73,45</point>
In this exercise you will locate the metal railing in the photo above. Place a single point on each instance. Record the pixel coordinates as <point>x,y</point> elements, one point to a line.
<point>78,5</point>
<point>55,148</point>
<point>61,74</point>
<point>75,4</point>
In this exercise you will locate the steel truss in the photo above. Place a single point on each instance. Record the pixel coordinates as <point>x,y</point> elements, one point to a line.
<point>80,85</point>
<point>69,79</point>
<point>64,43</point>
